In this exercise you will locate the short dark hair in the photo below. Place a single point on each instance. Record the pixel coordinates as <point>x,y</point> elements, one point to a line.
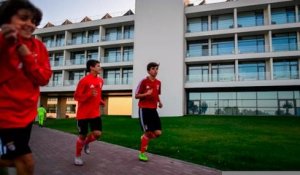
<point>10,7</point>
<point>90,63</point>
<point>152,64</point>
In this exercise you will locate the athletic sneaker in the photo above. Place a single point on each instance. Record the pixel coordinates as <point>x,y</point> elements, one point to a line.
<point>86,149</point>
<point>143,157</point>
<point>78,161</point>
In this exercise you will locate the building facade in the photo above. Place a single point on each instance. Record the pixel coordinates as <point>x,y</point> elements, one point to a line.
<point>231,58</point>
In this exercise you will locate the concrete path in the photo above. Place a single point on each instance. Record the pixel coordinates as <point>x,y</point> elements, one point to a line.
<point>54,153</point>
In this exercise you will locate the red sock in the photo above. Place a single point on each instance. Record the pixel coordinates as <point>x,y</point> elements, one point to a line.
<point>79,145</point>
<point>90,138</point>
<point>144,143</point>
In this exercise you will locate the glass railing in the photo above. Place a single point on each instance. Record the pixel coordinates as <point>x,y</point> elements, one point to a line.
<point>250,22</point>
<point>197,28</point>
<point>53,44</point>
<point>251,76</point>
<point>223,77</point>
<point>244,50</point>
<point>94,39</point>
<point>111,59</point>
<point>56,63</point>
<point>112,81</point>
<point>219,50</point>
<point>55,84</point>
<point>127,81</point>
<point>285,47</point>
<point>285,75</point>
<point>251,49</point>
<point>77,41</point>
<point>128,36</point>
<point>118,81</point>
<point>75,62</point>
<point>283,19</point>
<point>111,38</point>
<point>197,78</point>
<point>88,40</point>
<point>222,25</point>
<point>70,82</point>
<point>197,53</point>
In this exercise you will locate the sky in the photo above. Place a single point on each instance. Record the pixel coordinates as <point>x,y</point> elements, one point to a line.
<point>57,11</point>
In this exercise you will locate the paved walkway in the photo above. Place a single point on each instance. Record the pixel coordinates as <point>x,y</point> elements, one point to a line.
<point>54,150</point>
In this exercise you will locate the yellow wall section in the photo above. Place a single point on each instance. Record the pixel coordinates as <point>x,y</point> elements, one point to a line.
<point>119,105</point>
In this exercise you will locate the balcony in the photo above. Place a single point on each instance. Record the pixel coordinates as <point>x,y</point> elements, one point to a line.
<point>250,49</point>
<point>118,81</point>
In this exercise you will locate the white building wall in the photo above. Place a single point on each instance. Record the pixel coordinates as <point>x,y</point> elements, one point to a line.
<point>159,37</point>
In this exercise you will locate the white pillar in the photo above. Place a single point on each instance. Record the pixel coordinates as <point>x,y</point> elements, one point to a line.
<point>159,37</point>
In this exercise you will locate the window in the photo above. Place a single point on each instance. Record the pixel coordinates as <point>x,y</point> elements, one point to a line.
<point>223,72</point>
<point>93,36</point>
<point>251,71</point>
<point>74,77</point>
<point>283,15</point>
<point>113,34</point>
<point>197,24</point>
<point>244,103</point>
<point>128,53</point>
<point>284,42</point>
<point>57,79</point>
<point>198,73</point>
<point>197,48</point>
<point>223,46</point>
<point>112,76</point>
<point>78,38</point>
<point>128,32</point>
<point>92,54</point>
<point>249,19</point>
<point>60,40</point>
<point>48,41</point>
<point>222,22</point>
<point>127,76</point>
<point>77,58</point>
<point>58,59</point>
<point>285,69</point>
<point>251,44</point>
<point>112,55</point>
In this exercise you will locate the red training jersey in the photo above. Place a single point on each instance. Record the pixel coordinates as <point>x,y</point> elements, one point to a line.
<point>89,105</point>
<point>151,100</point>
<point>20,80</point>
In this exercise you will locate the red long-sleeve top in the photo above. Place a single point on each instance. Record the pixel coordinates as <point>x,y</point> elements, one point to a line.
<point>89,105</point>
<point>152,100</point>
<point>20,79</point>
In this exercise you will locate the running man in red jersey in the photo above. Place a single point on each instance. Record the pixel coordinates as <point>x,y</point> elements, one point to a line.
<point>24,67</point>
<point>148,92</point>
<point>89,96</point>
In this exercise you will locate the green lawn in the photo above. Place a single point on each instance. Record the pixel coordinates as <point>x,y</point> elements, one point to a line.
<point>222,142</point>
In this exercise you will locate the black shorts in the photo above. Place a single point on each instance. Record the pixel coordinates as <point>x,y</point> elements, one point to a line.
<point>149,119</point>
<point>94,123</point>
<point>14,142</point>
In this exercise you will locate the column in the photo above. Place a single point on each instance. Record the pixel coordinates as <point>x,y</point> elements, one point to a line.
<point>161,40</point>
<point>61,107</point>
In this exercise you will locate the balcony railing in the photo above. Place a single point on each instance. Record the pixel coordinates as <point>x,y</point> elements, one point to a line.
<point>70,82</point>
<point>285,75</point>
<point>116,59</point>
<point>56,63</point>
<point>55,84</point>
<point>118,81</point>
<point>75,62</point>
<point>244,50</point>
<point>254,76</point>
